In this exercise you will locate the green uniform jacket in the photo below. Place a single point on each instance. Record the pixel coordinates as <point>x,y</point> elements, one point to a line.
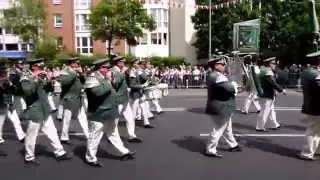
<point>120,85</point>
<point>310,79</point>
<point>35,95</point>
<point>221,95</point>
<point>102,104</point>
<point>71,91</point>
<point>268,83</point>
<point>135,84</point>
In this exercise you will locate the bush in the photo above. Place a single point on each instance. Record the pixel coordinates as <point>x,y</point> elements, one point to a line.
<point>46,49</point>
<point>170,61</point>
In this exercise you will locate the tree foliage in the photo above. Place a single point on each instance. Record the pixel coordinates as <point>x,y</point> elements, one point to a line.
<point>122,19</point>
<point>222,25</point>
<point>26,18</point>
<point>286,29</point>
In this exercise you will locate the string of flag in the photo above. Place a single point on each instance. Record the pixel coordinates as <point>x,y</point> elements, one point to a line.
<point>175,4</point>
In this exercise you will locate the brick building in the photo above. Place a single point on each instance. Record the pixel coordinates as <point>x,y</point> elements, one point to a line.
<point>67,21</point>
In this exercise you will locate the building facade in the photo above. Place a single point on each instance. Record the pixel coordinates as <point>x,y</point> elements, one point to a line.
<point>182,32</point>
<point>67,21</point>
<point>155,43</point>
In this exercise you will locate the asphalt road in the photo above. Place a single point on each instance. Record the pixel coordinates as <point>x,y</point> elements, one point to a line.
<point>173,150</point>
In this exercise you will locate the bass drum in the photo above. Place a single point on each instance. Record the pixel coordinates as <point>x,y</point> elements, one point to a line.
<point>164,89</point>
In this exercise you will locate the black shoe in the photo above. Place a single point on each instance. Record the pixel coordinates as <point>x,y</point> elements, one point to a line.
<point>54,111</point>
<point>67,142</point>
<point>59,119</point>
<point>96,164</point>
<point>22,141</point>
<point>64,157</point>
<point>235,149</point>
<point>148,126</point>
<point>161,112</point>
<point>261,130</point>
<point>128,156</point>
<point>32,163</point>
<point>215,155</point>
<point>258,111</point>
<point>135,140</point>
<point>276,128</point>
<point>152,118</point>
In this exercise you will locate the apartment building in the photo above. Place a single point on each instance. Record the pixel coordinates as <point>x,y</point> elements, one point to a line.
<point>155,43</point>
<point>11,46</point>
<point>67,21</point>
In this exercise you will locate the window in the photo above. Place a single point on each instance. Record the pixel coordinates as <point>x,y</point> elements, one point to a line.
<point>9,31</point>
<point>144,39</point>
<point>1,46</point>
<point>82,22</point>
<point>159,38</point>
<point>0,31</point>
<point>12,47</point>
<point>165,38</point>
<point>56,2</point>
<point>165,18</point>
<point>58,20</point>
<point>154,38</point>
<point>83,4</point>
<point>59,41</point>
<point>24,47</point>
<point>84,45</point>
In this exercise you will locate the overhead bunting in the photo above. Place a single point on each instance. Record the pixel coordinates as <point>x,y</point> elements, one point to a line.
<point>175,4</point>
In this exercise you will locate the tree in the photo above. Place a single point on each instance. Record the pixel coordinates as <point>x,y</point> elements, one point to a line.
<point>286,30</point>
<point>26,18</point>
<point>121,19</point>
<point>222,25</point>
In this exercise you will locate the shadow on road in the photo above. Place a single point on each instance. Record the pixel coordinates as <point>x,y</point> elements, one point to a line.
<point>80,152</point>
<point>293,127</point>
<point>197,110</point>
<point>237,125</point>
<point>190,143</point>
<point>267,145</point>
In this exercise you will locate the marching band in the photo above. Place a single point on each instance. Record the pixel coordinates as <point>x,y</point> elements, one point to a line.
<point>110,90</point>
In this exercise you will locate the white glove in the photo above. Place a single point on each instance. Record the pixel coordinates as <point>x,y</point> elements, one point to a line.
<point>145,84</point>
<point>235,85</point>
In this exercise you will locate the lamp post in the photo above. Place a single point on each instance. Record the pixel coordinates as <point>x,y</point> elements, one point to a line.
<point>210,14</point>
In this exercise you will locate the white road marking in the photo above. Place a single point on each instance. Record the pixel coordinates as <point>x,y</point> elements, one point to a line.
<point>261,135</point>
<point>181,109</point>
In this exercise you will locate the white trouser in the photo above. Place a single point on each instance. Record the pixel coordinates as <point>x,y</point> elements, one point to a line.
<point>312,136</point>
<point>67,116</point>
<point>85,102</point>
<point>153,100</point>
<point>222,127</point>
<point>49,129</point>
<point>251,98</point>
<point>142,103</point>
<point>51,102</point>
<point>96,132</point>
<point>268,112</point>
<point>126,111</point>
<point>14,118</point>
<point>147,108</point>
<point>60,111</point>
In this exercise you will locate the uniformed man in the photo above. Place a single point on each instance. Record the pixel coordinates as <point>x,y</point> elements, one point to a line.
<point>269,87</point>
<point>103,113</point>
<point>71,96</point>
<point>310,79</point>
<point>34,89</point>
<point>251,88</point>
<point>11,113</point>
<point>120,85</point>
<point>220,105</point>
<point>137,81</point>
